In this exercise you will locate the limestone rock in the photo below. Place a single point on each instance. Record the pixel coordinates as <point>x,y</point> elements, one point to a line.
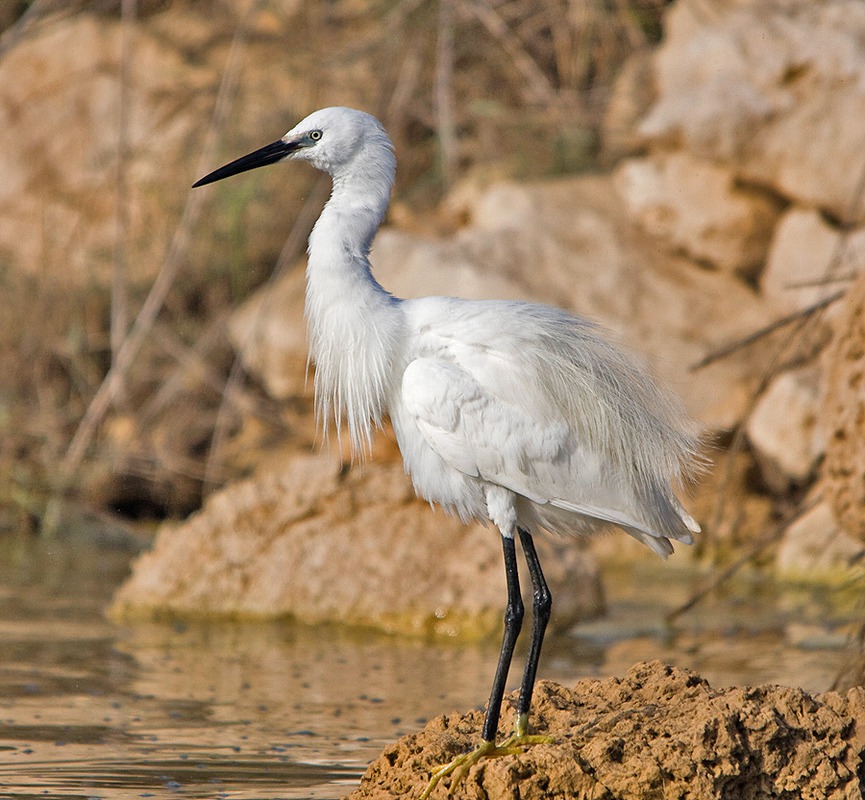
<point>773,90</point>
<point>783,429</point>
<point>806,252</point>
<point>565,242</point>
<point>844,415</point>
<point>58,195</point>
<point>814,546</point>
<point>305,539</point>
<point>659,732</point>
<point>696,208</point>
<point>632,96</point>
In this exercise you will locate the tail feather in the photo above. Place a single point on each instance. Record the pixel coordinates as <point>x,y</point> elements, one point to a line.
<point>680,529</point>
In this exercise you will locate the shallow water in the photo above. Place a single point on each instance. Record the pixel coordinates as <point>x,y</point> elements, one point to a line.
<point>89,709</point>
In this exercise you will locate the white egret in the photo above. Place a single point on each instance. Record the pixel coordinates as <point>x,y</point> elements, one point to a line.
<point>513,413</point>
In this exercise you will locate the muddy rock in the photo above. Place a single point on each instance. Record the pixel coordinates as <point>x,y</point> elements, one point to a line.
<point>659,732</point>
<point>307,538</point>
<point>844,415</point>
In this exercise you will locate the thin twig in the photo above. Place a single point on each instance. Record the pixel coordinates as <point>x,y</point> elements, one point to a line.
<point>406,85</point>
<point>752,338</point>
<point>192,365</point>
<point>195,360</point>
<point>29,22</point>
<point>120,273</point>
<point>536,88</point>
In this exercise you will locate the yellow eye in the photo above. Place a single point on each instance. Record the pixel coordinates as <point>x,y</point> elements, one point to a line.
<point>315,135</point>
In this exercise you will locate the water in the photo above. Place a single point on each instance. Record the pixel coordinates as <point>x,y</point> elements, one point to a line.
<point>89,709</point>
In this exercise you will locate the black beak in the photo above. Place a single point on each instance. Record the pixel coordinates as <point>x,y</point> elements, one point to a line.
<point>269,154</point>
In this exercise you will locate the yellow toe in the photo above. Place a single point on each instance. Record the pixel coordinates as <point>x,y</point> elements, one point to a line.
<point>460,766</point>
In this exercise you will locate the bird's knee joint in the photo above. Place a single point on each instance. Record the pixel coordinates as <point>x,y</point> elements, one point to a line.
<point>514,613</point>
<point>543,603</point>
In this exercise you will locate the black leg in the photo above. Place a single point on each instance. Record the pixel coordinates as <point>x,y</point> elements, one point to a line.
<point>513,623</point>
<point>542,605</point>
<point>461,765</point>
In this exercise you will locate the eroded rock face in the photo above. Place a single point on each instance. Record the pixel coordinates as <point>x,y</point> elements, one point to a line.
<point>307,539</point>
<point>659,732</point>
<point>783,430</point>
<point>696,208</point>
<point>771,90</point>
<point>58,190</point>
<point>844,415</point>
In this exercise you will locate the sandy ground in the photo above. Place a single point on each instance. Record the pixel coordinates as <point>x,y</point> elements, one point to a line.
<point>659,732</point>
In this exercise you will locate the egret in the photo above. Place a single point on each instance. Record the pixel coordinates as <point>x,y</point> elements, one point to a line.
<point>513,413</point>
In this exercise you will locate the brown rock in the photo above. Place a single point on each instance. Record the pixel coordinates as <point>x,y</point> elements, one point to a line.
<point>783,430</point>
<point>805,254</point>
<point>659,732</point>
<point>774,90</point>
<point>844,415</point>
<point>60,83</point>
<point>695,207</point>
<point>814,548</point>
<point>268,332</point>
<point>58,198</point>
<point>306,539</point>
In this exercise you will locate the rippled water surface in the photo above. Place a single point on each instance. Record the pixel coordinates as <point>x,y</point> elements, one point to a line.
<point>89,709</point>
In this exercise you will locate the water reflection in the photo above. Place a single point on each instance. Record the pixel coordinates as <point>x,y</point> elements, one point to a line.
<point>89,709</point>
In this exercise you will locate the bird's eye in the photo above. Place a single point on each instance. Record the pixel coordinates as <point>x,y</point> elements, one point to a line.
<point>315,135</point>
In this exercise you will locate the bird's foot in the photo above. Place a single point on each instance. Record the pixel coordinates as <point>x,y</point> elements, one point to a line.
<point>461,765</point>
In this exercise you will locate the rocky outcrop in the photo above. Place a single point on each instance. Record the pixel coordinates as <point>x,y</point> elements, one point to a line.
<point>748,158</point>
<point>770,91</point>
<point>844,414</point>
<point>696,207</point>
<point>307,539</point>
<point>815,547</point>
<point>59,192</point>
<point>80,192</point>
<point>783,429</point>
<point>726,216</point>
<point>659,732</point>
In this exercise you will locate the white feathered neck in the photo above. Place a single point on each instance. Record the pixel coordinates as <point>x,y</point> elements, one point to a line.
<point>354,325</point>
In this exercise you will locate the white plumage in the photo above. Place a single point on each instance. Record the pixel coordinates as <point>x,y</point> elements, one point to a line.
<point>509,412</point>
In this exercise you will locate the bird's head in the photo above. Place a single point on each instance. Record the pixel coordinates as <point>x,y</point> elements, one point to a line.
<point>331,139</point>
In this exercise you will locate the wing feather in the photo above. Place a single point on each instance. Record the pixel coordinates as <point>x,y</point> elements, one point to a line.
<point>534,400</point>
<point>483,436</point>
